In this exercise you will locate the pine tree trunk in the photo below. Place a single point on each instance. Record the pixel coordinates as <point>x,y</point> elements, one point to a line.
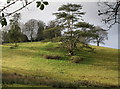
<point>97,43</point>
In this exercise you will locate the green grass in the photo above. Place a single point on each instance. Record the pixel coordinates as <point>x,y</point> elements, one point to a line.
<point>100,67</point>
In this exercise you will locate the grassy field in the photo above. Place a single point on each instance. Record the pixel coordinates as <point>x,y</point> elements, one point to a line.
<point>27,65</point>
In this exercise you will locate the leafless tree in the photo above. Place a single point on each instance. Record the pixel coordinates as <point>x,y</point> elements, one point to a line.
<point>110,12</point>
<point>30,29</point>
<point>100,37</point>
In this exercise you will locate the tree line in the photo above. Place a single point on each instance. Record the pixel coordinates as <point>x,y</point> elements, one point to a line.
<point>33,30</point>
<point>68,28</point>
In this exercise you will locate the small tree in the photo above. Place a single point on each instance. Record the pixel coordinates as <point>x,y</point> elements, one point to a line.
<point>101,36</point>
<point>67,17</point>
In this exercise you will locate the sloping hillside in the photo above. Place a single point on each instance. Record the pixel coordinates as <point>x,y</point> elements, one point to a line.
<point>28,65</point>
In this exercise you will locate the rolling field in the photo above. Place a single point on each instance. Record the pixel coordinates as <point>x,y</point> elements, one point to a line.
<point>27,65</point>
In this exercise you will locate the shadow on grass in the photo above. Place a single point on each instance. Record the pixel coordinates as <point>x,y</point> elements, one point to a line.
<point>15,78</point>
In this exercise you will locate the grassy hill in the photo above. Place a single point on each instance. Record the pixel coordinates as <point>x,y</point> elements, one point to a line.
<point>26,65</point>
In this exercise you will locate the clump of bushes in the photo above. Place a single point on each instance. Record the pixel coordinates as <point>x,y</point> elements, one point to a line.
<point>52,57</point>
<point>76,59</point>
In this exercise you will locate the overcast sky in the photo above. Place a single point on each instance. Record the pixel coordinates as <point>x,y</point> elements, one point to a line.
<point>91,16</point>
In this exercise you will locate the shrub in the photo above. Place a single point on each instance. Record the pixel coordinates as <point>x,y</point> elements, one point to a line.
<point>76,59</point>
<point>52,56</point>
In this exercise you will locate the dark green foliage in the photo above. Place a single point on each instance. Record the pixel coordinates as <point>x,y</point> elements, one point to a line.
<point>67,17</point>
<point>41,4</point>
<point>38,3</point>
<point>51,33</point>
<point>14,34</point>
<point>83,25</point>
<point>53,30</point>
<point>71,43</point>
<point>41,26</point>
<point>69,14</point>
<point>45,2</point>
<point>5,37</point>
<point>3,21</point>
<point>23,38</point>
<point>8,37</point>
<point>57,39</point>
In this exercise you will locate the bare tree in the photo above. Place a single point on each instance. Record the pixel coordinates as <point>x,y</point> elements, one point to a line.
<point>30,29</point>
<point>110,12</point>
<point>100,37</point>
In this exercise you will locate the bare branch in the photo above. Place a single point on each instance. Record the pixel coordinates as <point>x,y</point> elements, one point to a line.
<point>8,6</point>
<point>110,13</point>
<point>19,8</point>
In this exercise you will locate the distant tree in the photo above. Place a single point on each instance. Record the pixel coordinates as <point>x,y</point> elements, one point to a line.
<point>67,17</point>
<point>10,36</point>
<point>101,35</point>
<point>87,31</point>
<point>110,12</point>
<point>41,27</point>
<point>14,33</point>
<point>30,29</point>
<point>5,38</point>
<point>23,38</point>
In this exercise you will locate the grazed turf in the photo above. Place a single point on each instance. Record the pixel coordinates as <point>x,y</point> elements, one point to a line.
<point>27,60</point>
